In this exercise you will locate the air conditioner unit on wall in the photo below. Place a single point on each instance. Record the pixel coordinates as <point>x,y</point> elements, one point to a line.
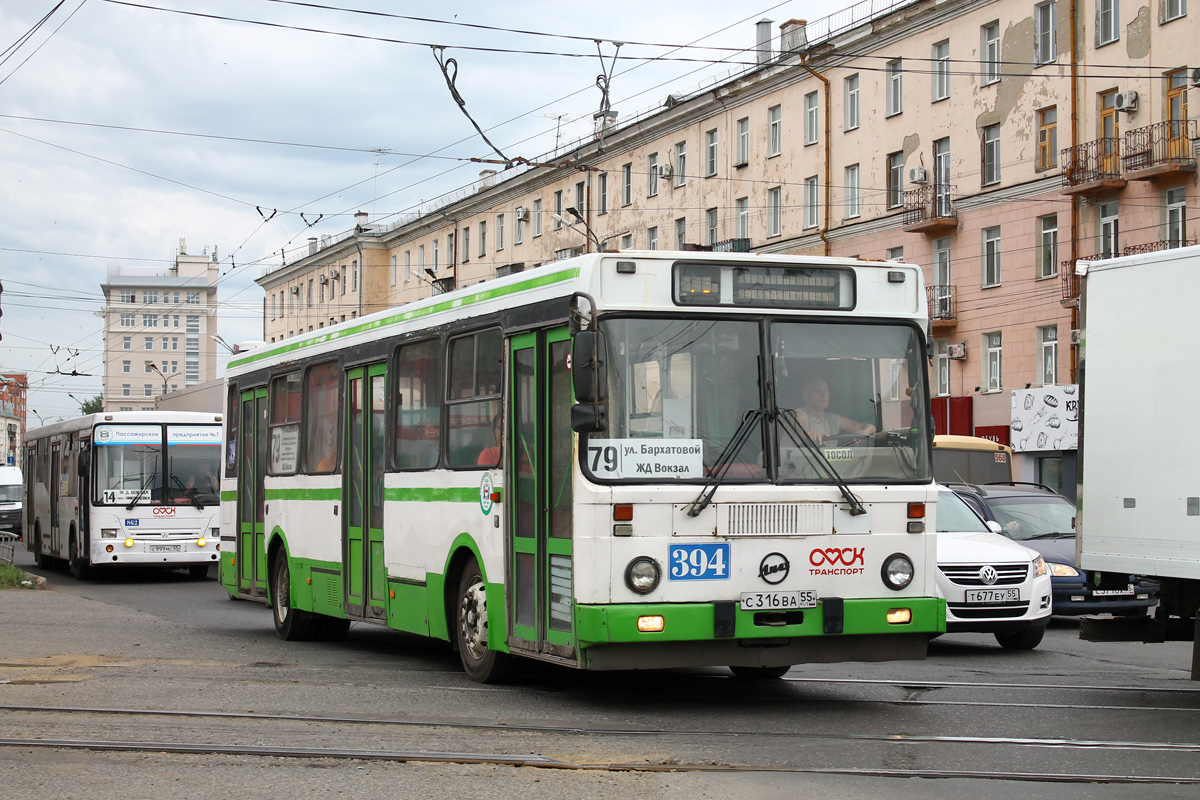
<point>295,290</point>
<point>1126,101</point>
<point>323,279</point>
<point>1196,77</point>
<point>521,212</point>
<point>958,351</point>
<point>918,174</point>
<point>665,170</point>
<point>1076,336</point>
<point>335,274</point>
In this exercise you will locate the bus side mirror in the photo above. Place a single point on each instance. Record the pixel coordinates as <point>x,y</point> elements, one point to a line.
<point>589,379</point>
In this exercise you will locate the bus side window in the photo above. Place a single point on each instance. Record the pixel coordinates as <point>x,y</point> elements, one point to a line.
<point>418,404</point>
<point>474,396</point>
<point>321,418</point>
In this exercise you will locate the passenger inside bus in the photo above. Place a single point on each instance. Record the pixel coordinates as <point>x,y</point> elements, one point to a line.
<point>817,419</point>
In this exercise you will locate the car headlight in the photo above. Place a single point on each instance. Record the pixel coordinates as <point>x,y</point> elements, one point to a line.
<point>897,571</point>
<point>1063,570</point>
<point>642,574</point>
<point>1039,567</point>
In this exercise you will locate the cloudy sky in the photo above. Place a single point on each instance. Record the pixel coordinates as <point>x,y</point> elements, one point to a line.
<point>127,126</point>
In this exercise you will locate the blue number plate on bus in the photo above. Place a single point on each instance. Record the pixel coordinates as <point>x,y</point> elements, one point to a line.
<point>699,562</point>
<point>131,523</point>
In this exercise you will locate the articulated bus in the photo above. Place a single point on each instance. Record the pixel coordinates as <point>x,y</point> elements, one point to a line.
<point>618,461</point>
<point>125,488</point>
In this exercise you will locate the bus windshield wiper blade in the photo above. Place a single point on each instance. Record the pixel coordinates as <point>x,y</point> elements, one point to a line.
<point>795,431</point>
<point>725,460</point>
<point>189,493</point>
<point>141,492</point>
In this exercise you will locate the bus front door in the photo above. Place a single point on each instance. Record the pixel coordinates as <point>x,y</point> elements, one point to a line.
<point>252,466</point>
<point>539,466</point>
<point>364,573</point>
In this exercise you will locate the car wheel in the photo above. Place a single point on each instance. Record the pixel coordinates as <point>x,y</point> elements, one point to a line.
<point>759,673</point>
<point>1020,640</point>
<point>291,624</point>
<point>471,629</point>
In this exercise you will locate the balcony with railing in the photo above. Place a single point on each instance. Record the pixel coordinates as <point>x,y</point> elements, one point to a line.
<point>929,209</point>
<point>1160,150</point>
<point>1154,247</point>
<point>942,309</point>
<point>1092,168</point>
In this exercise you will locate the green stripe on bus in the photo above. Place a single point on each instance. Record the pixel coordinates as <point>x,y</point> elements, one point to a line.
<point>303,494</point>
<point>229,497</point>
<point>431,495</point>
<point>403,316</point>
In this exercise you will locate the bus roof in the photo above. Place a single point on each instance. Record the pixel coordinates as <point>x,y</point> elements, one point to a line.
<point>124,417</point>
<point>559,280</point>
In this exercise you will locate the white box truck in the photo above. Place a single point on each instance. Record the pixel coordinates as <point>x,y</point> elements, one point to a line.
<point>1139,492</point>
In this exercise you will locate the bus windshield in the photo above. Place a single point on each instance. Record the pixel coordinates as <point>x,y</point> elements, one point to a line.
<point>130,464</point>
<point>681,390</point>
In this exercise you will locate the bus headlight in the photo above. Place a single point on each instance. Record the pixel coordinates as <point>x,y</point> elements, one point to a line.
<point>642,575</point>
<point>108,533</point>
<point>897,571</point>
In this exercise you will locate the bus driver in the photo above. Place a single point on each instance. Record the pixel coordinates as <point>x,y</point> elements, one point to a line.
<point>817,419</point>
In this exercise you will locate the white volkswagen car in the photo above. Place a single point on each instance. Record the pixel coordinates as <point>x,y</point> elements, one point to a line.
<point>991,583</point>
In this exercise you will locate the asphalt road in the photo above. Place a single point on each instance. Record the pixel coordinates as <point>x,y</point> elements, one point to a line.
<point>202,699</point>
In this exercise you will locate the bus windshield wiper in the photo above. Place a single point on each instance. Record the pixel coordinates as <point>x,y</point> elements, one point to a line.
<point>795,431</point>
<point>189,493</point>
<point>142,492</point>
<point>725,460</point>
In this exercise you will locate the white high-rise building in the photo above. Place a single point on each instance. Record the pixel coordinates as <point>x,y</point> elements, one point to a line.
<point>158,329</point>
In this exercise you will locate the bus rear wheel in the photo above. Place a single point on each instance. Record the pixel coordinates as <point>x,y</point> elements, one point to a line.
<point>759,673</point>
<point>471,629</point>
<point>291,624</point>
<point>198,571</point>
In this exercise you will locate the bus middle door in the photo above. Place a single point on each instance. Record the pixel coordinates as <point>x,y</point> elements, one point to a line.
<point>364,572</point>
<point>539,466</point>
<point>251,536</point>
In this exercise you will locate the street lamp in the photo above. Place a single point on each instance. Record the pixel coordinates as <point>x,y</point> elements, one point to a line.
<point>150,365</point>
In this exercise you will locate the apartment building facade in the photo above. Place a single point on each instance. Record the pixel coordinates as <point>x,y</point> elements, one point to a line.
<point>994,142</point>
<point>158,330</point>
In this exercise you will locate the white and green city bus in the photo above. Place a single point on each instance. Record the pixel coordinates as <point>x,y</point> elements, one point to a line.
<point>125,488</point>
<point>609,462</point>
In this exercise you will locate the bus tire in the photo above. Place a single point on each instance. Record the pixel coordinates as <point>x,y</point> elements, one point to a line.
<point>198,571</point>
<point>331,629</point>
<point>78,564</point>
<point>471,629</point>
<point>759,673</point>
<point>291,624</point>
<point>39,556</point>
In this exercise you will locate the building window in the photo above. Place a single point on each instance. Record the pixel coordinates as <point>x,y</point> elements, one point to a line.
<point>309,296</point>
<point>652,238</point>
<point>127,343</point>
<point>1048,249</point>
<point>1045,43</point>
<point>626,186</point>
<point>774,211</point>
<point>774,131</point>
<point>149,389</point>
<point>466,244</point>
<point>710,152</point>
<point>1176,213</point>
<point>1173,9</point>
<point>894,253</point>
<point>627,241</point>
<point>710,217</point>
<point>149,297</point>
<point>853,202</point>
<point>434,245</point>
<point>811,118</point>
<point>942,350</point>
<point>407,266</point>
<point>941,70</point>
<point>537,218</point>
<point>742,212</point>
<point>895,184</point>
<point>558,210</point>
<point>125,390</point>
<point>128,296</point>
<point>128,320</point>
<point>482,238</point>
<point>991,154</point>
<point>321,291</point>
<point>1110,230</point>
<point>851,103</point>
<point>680,170</point>
<point>193,298</point>
<point>812,202</point>
<point>743,142</point>
<point>992,365</point>
<point>126,367</point>
<point>1108,21</point>
<point>602,190</point>
<point>1047,153</point>
<point>991,256</point>
<point>941,176</point>
<point>652,175</point>
<point>149,320</point>
<point>164,343</point>
<point>450,249</point>
<point>895,87</point>
<point>421,258</point>
<point>942,277</point>
<point>680,233</point>
<point>1048,354</point>
<point>499,232</point>
<point>989,53</point>
<point>518,229</point>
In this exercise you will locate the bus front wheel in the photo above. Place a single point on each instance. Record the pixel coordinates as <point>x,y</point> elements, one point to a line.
<point>291,624</point>
<point>80,567</point>
<point>471,628</point>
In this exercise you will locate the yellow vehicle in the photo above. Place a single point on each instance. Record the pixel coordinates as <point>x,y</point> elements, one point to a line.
<point>970,459</point>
